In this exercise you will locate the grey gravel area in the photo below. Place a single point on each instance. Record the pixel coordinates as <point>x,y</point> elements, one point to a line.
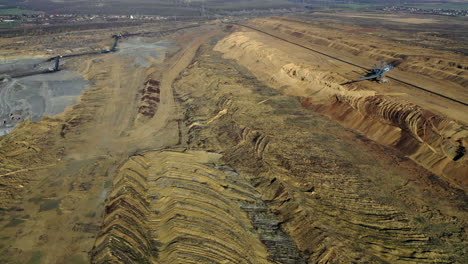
<point>30,98</point>
<point>140,50</point>
<point>20,66</point>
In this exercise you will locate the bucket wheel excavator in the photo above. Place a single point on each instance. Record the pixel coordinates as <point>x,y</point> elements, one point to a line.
<point>377,73</point>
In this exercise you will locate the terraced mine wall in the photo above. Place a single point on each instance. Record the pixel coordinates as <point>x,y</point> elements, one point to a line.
<point>437,64</point>
<point>339,201</point>
<point>178,206</point>
<point>435,142</point>
<point>255,178</point>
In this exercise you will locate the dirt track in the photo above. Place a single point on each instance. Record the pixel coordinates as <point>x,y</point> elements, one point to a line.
<point>193,157</point>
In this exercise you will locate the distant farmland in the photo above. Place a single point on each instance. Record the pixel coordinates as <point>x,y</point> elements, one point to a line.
<point>149,7</point>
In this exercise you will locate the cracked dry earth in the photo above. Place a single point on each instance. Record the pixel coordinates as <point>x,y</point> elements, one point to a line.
<point>195,160</point>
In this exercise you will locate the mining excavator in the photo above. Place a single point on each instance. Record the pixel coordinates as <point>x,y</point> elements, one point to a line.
<point>114,46</point>
<point>56,64</point>
<point>377,73</point>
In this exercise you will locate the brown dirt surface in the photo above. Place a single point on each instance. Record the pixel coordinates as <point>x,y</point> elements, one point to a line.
<point>224,145</point>
<point>429,129</point>
<point>339,196</point>
<point>55,174</point>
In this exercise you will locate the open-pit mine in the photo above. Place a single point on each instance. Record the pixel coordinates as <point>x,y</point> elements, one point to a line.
<point>233,142</point>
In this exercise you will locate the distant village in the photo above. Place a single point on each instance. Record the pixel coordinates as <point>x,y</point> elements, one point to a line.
<point>437,11</point>
<point>41,18</point>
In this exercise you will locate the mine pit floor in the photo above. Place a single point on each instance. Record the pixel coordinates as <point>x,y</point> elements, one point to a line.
<point>175,153</point>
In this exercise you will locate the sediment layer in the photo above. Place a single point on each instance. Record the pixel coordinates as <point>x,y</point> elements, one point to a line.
<point>178,207</point>
<point>435,64</point>
<point>338,202</point>
<point>433,141</point>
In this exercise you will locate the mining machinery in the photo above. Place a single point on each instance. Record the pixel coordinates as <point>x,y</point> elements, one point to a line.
<point>56,64</point>
<point>114,46</point>
<point>377,73</point>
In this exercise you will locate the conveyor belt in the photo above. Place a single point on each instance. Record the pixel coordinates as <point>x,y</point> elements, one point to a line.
<point>147,34</point>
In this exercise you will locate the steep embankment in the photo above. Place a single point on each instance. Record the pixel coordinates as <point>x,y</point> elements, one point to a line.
<point>440,65</point>
<point>435,142</point>
<point>340,197</point>
<point>183,207</point>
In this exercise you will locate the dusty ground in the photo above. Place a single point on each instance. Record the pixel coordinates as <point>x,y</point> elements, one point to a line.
<point>438,71</point>
<point>429,129</point>
<point>73,183</point>
<point>179,154</point>
<point>437,32</point>
<point>340,197</point>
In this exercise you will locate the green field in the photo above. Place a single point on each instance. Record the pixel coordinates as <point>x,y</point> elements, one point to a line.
<point>8,24</point>
<point>15,11</point>
<point>357,6</point>
<point>248,5</point>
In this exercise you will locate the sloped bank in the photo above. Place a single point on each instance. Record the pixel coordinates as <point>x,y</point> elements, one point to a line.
<point>435,64</point>
<point>433,141</point>
<point>333,197</point>
<point>179,206</point>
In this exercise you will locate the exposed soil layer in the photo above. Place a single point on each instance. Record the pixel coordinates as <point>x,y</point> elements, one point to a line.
<point>446,66</point>
<point>170,206</point>
<point>340,197</point>
<point>429,138</point>
<point>55,174</point>
<point>150,98</point>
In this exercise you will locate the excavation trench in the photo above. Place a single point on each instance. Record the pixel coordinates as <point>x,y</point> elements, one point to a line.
<point>430,139</point>
<point>192,157</point>
<point>340,197</point>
